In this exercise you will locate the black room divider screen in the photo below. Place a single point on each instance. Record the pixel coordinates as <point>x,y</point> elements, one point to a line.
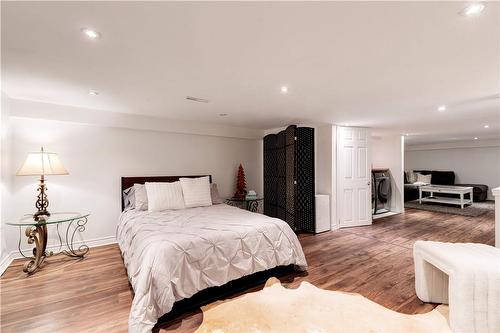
<point>289,177</point>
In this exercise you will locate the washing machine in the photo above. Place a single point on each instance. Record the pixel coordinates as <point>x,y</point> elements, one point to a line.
<point>381,191</point>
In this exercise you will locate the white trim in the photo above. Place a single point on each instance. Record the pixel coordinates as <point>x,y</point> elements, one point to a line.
<point>386,214</point>
<point>90,243</point>
<point>335,223</point>
<point>335,227</point>
<point>6,261</point>
<point>455,145</point>
<point>496,195</point>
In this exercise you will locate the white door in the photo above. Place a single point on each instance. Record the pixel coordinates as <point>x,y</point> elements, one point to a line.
<point>353,176</point>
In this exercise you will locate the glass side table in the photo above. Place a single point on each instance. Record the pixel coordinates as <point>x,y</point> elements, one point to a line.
<point>36,231</point>
<point>251,205</point>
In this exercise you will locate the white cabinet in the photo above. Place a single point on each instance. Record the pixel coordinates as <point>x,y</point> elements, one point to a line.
<point>322,213</point>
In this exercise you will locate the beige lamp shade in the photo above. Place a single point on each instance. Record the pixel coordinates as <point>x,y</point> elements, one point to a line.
<point>42,163</point>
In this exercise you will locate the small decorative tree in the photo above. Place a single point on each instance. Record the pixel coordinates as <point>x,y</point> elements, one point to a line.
<point>241,184</point>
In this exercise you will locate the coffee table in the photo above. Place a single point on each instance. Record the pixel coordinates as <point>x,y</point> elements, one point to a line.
<point>449,189</point>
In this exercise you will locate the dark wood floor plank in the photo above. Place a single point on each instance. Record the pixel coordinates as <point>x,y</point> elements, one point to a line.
<point>93,295</point>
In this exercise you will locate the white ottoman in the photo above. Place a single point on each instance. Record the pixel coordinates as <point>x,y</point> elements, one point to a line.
<point>464,275</point>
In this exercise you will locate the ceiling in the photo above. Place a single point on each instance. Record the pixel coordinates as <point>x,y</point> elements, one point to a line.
<point>386,65</point>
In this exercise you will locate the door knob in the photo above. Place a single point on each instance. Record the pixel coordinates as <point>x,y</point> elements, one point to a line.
<point>368,183</point>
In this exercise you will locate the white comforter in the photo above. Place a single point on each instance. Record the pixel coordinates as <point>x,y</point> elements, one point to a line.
<point>171,255</point>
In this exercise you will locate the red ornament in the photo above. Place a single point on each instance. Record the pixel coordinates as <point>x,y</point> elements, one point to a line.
<point>241,184</point>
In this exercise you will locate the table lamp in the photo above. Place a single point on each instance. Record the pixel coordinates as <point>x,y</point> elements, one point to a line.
<point>42,164</point>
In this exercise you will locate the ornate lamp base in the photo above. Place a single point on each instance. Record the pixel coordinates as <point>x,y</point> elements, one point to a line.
<point>40,214</point>
<point>42,202</point>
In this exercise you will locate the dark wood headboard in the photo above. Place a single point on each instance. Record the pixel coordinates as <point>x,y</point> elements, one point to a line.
<point>130,181</point>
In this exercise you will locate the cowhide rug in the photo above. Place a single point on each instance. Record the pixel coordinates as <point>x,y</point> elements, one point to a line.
<point>313,310</point>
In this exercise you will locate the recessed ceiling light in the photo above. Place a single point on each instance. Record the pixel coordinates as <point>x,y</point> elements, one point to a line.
<point>442,108</point>
<point>407,134</point>
<point>222,114</point>
<point>475,138</point>
<point>90,33</point>
<point>93,92</point>
<point>473,9</point>
<point>486,126</point>
<point>284,89</point>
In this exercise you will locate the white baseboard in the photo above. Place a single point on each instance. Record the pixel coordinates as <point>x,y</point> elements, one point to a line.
<point>389,213</point>
<point>7,260</point>
<point>334,227</point>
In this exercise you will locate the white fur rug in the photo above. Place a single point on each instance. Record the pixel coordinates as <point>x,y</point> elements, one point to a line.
<point>312,310</point>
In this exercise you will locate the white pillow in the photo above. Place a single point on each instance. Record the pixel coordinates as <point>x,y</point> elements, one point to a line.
<point>196,192</point>
<point>163,196</point>
<point>141,198</point>
<point>424,178</point>
<point>411,176</point>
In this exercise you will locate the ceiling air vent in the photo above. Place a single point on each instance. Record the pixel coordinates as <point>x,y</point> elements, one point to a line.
<point>196,99</point>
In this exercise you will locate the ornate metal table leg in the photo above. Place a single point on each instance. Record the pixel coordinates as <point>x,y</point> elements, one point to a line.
<point>36,234</point>
<point>83,249</point>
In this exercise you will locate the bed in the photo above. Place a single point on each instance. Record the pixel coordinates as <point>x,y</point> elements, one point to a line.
<point>174,254</point>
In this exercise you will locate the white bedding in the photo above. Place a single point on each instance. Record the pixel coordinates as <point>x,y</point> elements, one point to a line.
<point>171,255</point>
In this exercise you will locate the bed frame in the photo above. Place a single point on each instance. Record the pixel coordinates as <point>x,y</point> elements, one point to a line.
<point>211,294</point>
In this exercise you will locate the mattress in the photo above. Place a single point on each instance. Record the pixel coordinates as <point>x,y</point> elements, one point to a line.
<point>171,255</point>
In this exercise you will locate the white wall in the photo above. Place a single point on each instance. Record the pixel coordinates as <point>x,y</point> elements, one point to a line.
<point>97,156</point>
<point>325,166</point>
<point>5,181</point>
<point>478,164</point>
<point>32,109</point>
<point>388,152</point>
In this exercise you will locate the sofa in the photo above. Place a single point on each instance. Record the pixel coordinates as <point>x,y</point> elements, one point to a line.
<point>479,192</point>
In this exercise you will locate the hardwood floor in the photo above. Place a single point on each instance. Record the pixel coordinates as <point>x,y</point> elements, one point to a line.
<point>93,295</point>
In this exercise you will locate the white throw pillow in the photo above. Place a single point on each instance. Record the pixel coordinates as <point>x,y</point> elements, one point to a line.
<point>141,198</point>
<point>411,176</point>
<point>196,192</point>
<point>163,196</point>
<point>424,178</point>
